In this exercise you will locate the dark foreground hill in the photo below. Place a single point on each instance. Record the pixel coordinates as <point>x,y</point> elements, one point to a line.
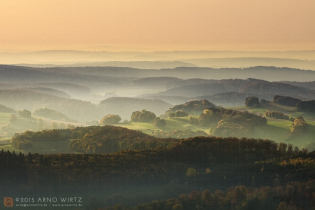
<point>181,167</point>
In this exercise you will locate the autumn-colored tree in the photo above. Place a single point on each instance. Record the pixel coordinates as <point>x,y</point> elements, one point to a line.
<point>178,207</point>
<point>206,196</point>
<point>191,172</point>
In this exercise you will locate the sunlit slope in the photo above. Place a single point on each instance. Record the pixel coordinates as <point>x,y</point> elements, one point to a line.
<point>4,119</point>
<point>279,129</point>
<point>176,123</point>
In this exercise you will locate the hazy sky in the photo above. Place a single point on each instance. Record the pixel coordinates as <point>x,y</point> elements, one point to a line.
<point>157,24</point>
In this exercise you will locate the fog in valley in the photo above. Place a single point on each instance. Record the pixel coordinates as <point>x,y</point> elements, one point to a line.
<point>117,122</point>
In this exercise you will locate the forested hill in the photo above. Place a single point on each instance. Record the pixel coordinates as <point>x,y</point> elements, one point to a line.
<point>101,74</point>
<point>49,91</point>
<point>31,100</point>
<point>19,74</point>
<point>260,72</point>
<point>253,86</point>
<point>74,90</point>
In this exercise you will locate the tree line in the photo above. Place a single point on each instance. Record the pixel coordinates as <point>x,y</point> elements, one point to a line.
<point>292,196</point>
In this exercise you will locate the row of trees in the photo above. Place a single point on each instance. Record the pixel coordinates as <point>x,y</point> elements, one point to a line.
<point>277,115</point>
<point>212,116</point>
<point>253,101</point>
<point>137,116</point>
<point>286,100</point>
<point>190,107</point>
<point>293,196</point>
<point>149,117</point>
<point>306,106</point>
<point>227,122</point>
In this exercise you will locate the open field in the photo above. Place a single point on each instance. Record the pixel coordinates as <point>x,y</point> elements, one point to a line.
<point>4,119</point>
<point>176,123</point>
<point>276,130</point>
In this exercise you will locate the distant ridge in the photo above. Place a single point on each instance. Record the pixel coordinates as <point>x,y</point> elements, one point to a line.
<point>100,74</point>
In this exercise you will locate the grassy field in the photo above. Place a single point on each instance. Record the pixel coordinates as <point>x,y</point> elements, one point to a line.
<point>176,123</point>
<point>279,130</point>
<point>280,108</point>
<point>291,111</point>
<point>308,117</point>
<point>182,123</point>
<point>276,129</point>
<point>269,106</point>
<point>11,149</point>
<point>4,119</point>
<point>306,138</point>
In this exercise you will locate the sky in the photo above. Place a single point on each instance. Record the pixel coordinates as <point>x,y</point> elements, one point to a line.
<point>152,25</point>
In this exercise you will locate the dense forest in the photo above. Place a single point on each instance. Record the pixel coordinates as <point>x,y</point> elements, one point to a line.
<point>293,195</point>
<point>227,162</point>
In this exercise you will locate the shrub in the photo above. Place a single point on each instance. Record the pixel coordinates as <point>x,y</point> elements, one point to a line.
<point>276,115</point>
<point>285,100</point>
<point>180,113</point>
<point>143,116</point>
<point>252,101</point>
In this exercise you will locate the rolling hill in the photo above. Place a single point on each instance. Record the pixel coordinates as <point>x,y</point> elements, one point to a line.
<point>125,106</point>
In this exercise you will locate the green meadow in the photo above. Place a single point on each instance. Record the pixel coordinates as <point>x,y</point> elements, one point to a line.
<point>277,130</point>
<point>4,119</point>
